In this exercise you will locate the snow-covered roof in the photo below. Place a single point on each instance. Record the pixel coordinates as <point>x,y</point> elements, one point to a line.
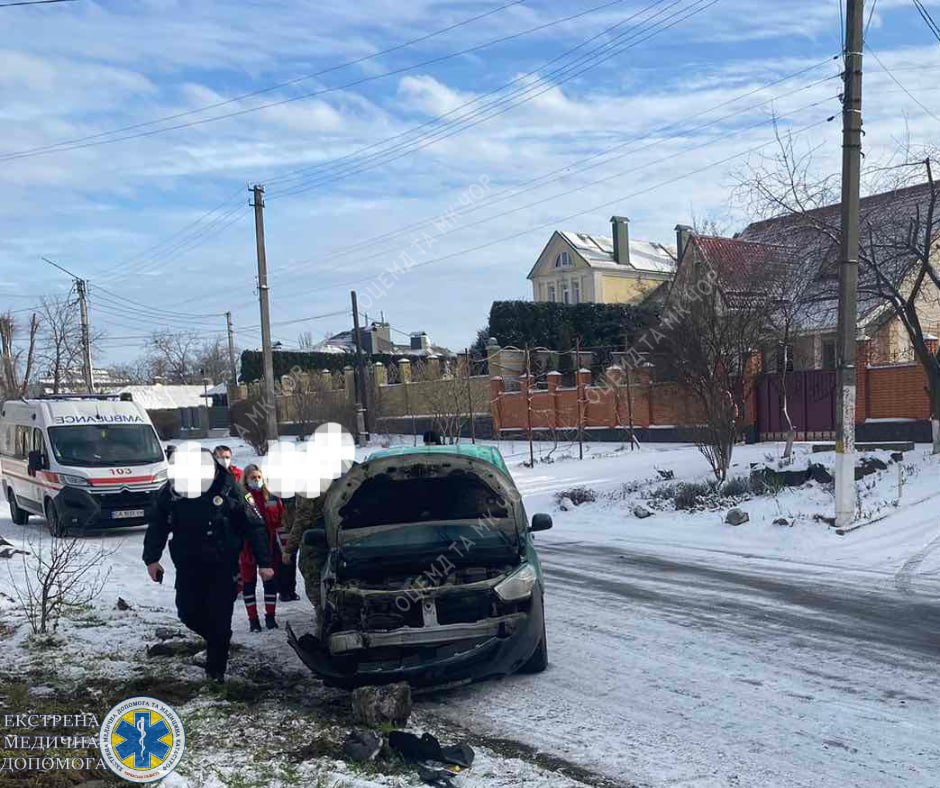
<point>160,397</point>
<point>598,252</point>
<point>217,390</point>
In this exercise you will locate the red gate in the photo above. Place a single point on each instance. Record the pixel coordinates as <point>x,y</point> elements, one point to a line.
<point>811,400</point>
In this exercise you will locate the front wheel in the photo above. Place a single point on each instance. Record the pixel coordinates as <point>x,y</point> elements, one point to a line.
<point>53,521</point>
<point>539,660</point>
<point>17,515</point>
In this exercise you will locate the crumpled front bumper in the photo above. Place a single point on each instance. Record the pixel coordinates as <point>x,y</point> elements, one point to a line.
<point>425,656</point>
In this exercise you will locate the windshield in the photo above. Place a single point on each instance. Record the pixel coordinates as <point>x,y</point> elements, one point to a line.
<point>98,445</point>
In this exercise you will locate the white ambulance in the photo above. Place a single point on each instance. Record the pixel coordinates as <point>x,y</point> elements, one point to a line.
<point>82,462</point>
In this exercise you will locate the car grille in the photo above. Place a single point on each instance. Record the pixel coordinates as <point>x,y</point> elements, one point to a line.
<point>125,499</point>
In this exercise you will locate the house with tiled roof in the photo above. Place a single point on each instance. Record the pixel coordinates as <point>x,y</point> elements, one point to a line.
<point>804,248</point>
<point>576,268</point>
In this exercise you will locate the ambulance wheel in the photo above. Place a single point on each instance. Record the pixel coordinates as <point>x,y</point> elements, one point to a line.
<point>17,515</point>
<point>53,521</point>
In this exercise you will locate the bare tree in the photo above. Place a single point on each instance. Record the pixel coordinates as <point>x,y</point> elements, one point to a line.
<point>898,254</point>
<point>16,360</point>
<point>60,345</point>
<point>173,356</point>
<point>709,337</point>
<point>59,573</point>
<point>212,360</point>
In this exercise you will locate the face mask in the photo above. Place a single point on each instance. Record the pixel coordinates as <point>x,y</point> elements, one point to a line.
<point>255,484</point>
<point>226,462</point>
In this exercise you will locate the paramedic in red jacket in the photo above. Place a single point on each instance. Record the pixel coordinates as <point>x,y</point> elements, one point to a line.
<point>272,509</point>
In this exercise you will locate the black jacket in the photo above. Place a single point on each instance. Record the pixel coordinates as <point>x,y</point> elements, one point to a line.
<point>208,530</point>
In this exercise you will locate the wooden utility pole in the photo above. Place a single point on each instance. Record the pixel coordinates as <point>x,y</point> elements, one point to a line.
<point>87,372</point>
<point>233,369</point>
<point>360,376</point>
<point>81,288</point>
<point>267,351</point>
<point>845,492</point>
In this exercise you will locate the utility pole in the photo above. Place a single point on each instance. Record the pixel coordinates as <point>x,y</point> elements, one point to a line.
<point>81,288</point>
<point>87,372</point>
<point>263,295</point>
<point>360,376</point>
<point>845,491</point>
<point>233,370</point>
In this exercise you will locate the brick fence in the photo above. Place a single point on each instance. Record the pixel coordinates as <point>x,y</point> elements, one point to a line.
<point>884,392</point>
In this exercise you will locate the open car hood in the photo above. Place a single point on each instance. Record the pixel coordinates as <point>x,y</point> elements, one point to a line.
<point>451,468</point>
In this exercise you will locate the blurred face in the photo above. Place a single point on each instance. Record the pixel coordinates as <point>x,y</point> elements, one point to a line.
<point>224,457</point>
<point>254,480</point>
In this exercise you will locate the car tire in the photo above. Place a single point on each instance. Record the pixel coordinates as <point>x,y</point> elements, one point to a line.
<point>539,660</point>
<point>17,515</point>
<point>53,521</point>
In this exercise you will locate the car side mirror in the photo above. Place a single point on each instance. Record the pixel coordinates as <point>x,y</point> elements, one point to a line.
<point>541,522</point>
<point>315,537</point>
<point>35,462</point>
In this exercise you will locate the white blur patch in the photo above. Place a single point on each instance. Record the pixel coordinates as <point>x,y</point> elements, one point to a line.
<point>308,468</point>
<point>191,470</point>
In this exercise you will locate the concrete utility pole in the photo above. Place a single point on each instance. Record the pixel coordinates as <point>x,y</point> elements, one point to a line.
<point>845,491</point>
<point>81,288</point>
<point>267,352</point>
<point>361,429</point>
<point>233,370</point>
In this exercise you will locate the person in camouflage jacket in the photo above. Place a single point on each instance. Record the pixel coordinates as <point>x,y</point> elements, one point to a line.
<point>306,513</point>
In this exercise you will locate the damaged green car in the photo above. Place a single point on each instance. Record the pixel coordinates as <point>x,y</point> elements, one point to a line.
<point>427,572</point>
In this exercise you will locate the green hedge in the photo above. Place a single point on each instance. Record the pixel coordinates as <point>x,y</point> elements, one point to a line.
<point>287,360</point>
<point>557,326</point>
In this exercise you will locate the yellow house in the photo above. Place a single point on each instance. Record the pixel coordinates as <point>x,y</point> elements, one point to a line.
<point>576,268</point>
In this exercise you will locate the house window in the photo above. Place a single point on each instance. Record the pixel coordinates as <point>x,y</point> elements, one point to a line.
<point>563,260</point>
<point>551,293</point>
<point>565,293</point>
<point>576,292</point>
<point>829,354</point>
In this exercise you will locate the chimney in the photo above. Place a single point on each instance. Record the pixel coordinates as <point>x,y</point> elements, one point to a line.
<point>683,234</point>
<point>420,341</point>
<point>620,230</point>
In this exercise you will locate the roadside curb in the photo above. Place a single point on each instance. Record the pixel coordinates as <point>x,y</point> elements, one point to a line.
<point>880,517</point>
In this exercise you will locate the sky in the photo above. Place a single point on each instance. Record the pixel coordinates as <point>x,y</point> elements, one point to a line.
<point>421,153</point>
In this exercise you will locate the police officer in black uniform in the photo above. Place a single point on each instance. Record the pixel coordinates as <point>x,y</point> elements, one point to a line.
<point>208,534</point>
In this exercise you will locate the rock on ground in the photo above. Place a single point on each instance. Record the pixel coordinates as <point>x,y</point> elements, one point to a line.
<point>736,517</point>
<point>375,706</point>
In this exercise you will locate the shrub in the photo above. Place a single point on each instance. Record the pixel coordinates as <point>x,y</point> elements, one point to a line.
<point>577,495</point>
<point>690,495</point>
<point>736,487</point>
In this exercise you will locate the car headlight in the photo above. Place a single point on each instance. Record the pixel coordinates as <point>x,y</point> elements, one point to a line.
<point>74,481</point>
<point>518,585</point>
<point>160,476</point>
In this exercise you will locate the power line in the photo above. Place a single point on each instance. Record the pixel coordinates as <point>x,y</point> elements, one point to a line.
<point>77,144</point>
<point>34,2</point>
<point>655,138</point>
<point>696,7</point>
<point>577,214</point>
<point>900,85</point>
<point>528,91</point>
<point>613,176</point>
<point>928,19</point>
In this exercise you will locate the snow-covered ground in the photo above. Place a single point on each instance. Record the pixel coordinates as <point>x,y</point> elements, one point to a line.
<point>683,651</point>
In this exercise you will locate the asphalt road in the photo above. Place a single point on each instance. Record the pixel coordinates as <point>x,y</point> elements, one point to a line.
<point>674,671</point>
